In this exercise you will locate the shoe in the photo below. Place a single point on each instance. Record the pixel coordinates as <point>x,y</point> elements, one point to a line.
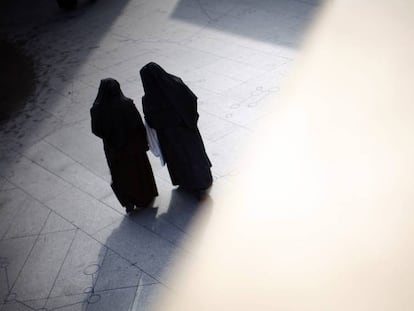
<point>129,208</point>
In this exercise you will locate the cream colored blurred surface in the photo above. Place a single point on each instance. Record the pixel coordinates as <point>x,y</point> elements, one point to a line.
<point>324,217</point>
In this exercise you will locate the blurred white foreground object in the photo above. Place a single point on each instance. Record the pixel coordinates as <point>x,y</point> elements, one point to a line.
<point>323,218</point>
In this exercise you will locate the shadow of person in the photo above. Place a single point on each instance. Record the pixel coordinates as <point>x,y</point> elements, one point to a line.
<point>130,271</point>
<point>173,222</point>
<point>125,265</point>
<point>185,207</point>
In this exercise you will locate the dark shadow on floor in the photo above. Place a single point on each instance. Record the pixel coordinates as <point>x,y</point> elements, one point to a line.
<point>32,26</point>
<point>138,252</point>
<point>174,224</point>
<point>280,22</point>
<point>127,272</point>
<point>16,78</point>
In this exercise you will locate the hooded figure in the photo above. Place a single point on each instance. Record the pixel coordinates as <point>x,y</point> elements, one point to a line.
<point>117,121</point>
<point>170,107</point>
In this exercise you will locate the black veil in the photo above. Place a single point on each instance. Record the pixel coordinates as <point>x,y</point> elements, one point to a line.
<point>106,113</point>
<point>160,87</point>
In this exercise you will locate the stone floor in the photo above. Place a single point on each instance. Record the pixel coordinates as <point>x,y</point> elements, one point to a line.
<point>65,242</point>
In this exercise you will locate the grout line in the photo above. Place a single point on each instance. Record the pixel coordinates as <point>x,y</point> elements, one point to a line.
<point>65,306</point>
<point>93,197</point>
<point>224,119</point>
<point>36,234</point>
<point>74,160</point>
<point>34,243</point>
<point>61,266</point>
<point>90,236</point>
<point>13,218</point>
<point>123,287</point>
<point>99,271</point>
<point>26,305</point>
<point>7,279</point>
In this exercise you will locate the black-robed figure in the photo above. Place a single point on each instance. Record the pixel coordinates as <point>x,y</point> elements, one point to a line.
<point>170,108</point>
<point>117,121</point>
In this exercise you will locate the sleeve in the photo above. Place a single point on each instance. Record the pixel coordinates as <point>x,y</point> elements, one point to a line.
<point>136,127</point>
<point>164,117</point>
<point>95,122</point>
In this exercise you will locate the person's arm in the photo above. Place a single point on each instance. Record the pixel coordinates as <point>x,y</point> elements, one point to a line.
<point>137,128</point>
<point>95,122</point>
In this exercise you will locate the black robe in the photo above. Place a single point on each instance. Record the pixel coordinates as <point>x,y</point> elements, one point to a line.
<point>117,121</point>
<point>171,109</point>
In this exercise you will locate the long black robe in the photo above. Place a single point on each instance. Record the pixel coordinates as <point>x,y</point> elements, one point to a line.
<point>117,121</point>
<point>170,107</point>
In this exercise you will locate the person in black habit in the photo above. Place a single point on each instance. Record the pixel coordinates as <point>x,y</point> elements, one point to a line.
<point>117,121</point>
<point>170,108</point>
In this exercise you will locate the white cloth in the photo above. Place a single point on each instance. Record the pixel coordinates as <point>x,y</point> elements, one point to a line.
<point>153,143</point>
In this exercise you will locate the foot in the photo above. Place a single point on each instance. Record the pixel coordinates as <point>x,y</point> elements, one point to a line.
<point>129,208</point>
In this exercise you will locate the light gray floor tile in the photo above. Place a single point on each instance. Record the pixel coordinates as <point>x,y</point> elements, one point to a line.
<point>30,126</point>
<point>68,169</point>
<point>150,219</point>
<point>83,95</point>
<point>147,296</point>
<point>42,267</point>
<point>138,245</point>
<point>47,156</point>
<point>17,306</point>
<point>113,202</point>
<point>36,180</point>
<point>92,157</point>
<point>12,202</point>
<point>56,104</point>
<point>13,255</point>
<point>212,82</point>
<point>29,305</point>
<point>82,178</point>
<point>83,211</point>
<point>5,185</point>
<point>117,299</point>
<point>226,152</point>
<point>182,209</point>
<point>55,223</point>
<point>81,267</point>
<point>115,272</point>
<point>29,221</point>
<point>155,220</point>
<point>4,289</point>
<point>146,279</point>
<point>213,127</point>
<point>68,303</point>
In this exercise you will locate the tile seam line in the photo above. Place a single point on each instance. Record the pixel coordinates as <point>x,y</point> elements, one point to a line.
<point>177,43</point>
<point>61,266</point>
<point>123,287</point>
<point>33,246</point>
<point>3,238</point>
<point>64,180</point>
<point>100,265</point>
<point>100,200</point>
<point>89,235</point>
<point>224,119</point>
<point>34,234</point>
<point>96,291</point>
<point>94,198</point>
<point>76,161</point>
<point>241,46</point>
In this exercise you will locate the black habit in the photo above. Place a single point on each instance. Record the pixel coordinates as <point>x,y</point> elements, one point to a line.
<point>117,121</point>
<point>170,107</point>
